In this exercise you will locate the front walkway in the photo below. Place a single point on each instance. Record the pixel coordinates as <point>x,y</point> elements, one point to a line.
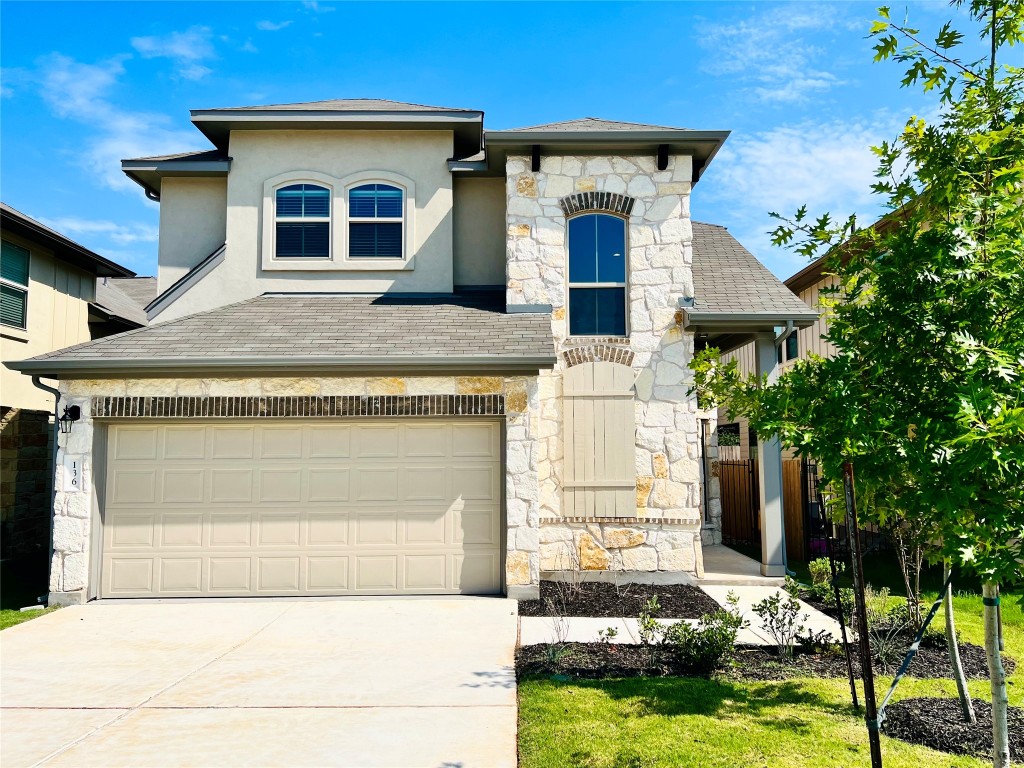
<point>352,682</point>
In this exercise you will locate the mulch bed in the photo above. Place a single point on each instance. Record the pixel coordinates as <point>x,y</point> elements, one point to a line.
<point>594,661</point>
<point>603,600</point>
<point>598,660</point>
<point>939,724</point>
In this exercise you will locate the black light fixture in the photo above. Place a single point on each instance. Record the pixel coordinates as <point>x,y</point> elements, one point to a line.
<point>72,413</point>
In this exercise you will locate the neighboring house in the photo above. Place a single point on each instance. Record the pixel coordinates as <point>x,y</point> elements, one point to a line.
<point>808,284</point>
<point>393,352</point>
<point>48,294</point>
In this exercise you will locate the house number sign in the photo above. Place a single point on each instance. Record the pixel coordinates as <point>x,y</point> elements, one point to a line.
<point>74,480</point>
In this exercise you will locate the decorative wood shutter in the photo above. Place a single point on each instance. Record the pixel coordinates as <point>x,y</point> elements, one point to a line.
<point>599,470</point>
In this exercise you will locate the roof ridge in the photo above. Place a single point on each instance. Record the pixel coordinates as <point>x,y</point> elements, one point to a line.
<point>360,98</point>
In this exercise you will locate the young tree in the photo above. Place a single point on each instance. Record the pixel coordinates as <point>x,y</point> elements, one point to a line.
<point>925,394</point>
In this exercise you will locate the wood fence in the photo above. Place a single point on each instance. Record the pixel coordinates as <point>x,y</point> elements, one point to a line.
<point>738,480</point>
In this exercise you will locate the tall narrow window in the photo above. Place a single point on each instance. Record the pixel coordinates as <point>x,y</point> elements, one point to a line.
<point>597,275</point>
<point>375,221</point>
<point>14,261</point>
<point>303,220</point>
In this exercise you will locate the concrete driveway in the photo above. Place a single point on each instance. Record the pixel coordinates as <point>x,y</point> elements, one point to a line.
<point>352,682</point>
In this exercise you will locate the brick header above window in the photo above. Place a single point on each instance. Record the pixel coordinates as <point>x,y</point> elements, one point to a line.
<point>297,407</point>
<point>593,353</point>
<point>596,201</point>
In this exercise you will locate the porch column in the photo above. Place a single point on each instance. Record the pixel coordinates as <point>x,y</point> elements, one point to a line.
<point>769,461</point>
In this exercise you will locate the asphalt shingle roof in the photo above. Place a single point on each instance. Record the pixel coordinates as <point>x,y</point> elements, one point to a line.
<point>195,156</point>
<point>596,124</point>
<point>332,326</point>
<point>126,297</point>
<point>346,105</point>
<point>728,278</point>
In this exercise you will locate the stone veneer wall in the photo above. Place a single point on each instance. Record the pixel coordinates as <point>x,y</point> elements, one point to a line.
<point>665,532</point>
<point>73,512</point>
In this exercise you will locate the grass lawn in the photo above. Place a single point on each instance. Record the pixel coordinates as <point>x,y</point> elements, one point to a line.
<point>10,618</point>
<point>801,723</point>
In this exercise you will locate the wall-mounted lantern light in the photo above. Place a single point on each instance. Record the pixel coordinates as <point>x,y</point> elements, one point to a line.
<point>72,413</point>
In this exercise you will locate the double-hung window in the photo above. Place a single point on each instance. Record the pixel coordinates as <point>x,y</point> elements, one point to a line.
<point>597,275</point>
<point>302,214</point>
<point>375,221</point>
<point>14,261</point>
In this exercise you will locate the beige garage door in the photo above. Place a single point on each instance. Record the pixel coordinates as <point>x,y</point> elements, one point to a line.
<point>302,508</point>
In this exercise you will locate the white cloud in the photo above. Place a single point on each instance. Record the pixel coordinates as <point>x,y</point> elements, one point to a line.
<point>270,26</point>
<point>827,166</point>
<point>770,51</point>
<point>186,49</point>
<point>122,234</point>
<point>314,7</point>
<point>82,92</point>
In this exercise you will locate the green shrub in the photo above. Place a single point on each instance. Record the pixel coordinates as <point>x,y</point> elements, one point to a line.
<point>821,578</point>
<point>701,647</point>
<point>782,620</point>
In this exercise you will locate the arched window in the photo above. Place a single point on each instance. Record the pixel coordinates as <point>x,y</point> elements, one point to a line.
<point>597,275</point>
<point>375,221</point>
<point>302,216</point>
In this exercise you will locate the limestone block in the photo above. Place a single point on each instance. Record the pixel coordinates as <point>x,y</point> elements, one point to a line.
<point>78,505</point>
<point>620,538</point>
<point>523,206</point>
<point>660,465</point>
<point>586,184</point>
<point>558,186</point>
<point>151,387</point>
<point>515,165</point>
<point>622,165</point>
<point>675,231</point>
<point>551,164</point>
<point>56,572</point>
<point>642,461</point>
<point>650,439</point>
<point>647,164</point>
<point>674,188</point>
<point>667,494</point>
<point>644,385</point>
<point>526,185</point>
<point>686,471</point>
<point>572,166</point>
<point>640,236</point>
<point>557,556</point>
<point>516,512</point>
<point>552,533</point>
<point>675,447</point>
<point>677,560</point>
<point>385,385</point>
<point>518,230</point>
<point>523,270</point>
<point>615,184</point>
<point>478,385</point>
<point>68,534</point>
<point>639,559</point>
<point>644,484</point>
<point>641,186</point>
<point>76,571</point>
<point>79,440</point>
<point>663,208</point>
<point>658,414</point>
<point>550,232</point>
<point>651,277</point>
<point>430,385</point>
<point>527,539</point>
<point>517,568</point>
<point>592,556</point>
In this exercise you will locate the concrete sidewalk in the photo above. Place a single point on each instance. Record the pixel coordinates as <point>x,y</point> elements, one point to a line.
<point>377,682</point>
<point>534,630</point>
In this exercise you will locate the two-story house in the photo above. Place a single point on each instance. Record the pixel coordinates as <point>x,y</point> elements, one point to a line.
<point>53,292</point>
<point>394,352</point>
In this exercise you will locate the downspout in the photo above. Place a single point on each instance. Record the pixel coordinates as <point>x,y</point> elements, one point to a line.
<point>155,197</point>
<point>779,341</point>
<point>53,461</point>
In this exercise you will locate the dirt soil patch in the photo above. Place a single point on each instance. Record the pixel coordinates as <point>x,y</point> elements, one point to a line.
<point>939,724</point>
<point>598,660</point>
<point>602,600</point>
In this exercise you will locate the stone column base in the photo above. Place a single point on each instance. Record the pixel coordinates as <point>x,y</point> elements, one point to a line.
<point>524,592</point>
<point>65,599</point>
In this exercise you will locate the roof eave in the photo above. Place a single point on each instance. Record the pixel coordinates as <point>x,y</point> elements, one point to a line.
<point>744,321</point>
<point>63,248</point>
<point>290,366</point>
<point>148,173</point>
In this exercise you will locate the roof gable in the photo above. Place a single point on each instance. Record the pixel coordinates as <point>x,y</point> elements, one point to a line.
<point>596,124</point>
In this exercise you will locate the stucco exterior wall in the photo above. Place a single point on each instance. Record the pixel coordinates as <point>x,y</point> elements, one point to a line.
<point>479,235</point>
<point>664,532</point>
<point>258,156</point>
<point>58,317</point>
<point>193,223</point>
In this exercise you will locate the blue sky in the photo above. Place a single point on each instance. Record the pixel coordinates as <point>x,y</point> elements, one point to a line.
<point>793,81</point>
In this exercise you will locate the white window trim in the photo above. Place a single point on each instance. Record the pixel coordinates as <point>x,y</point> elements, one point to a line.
<point>408,187</point>
<point>570,285</point>
<point>339,187</point>
<point>21,332</point>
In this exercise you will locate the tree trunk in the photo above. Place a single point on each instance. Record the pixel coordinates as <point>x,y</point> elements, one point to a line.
<point>953,646</point>
<point>997,675</point>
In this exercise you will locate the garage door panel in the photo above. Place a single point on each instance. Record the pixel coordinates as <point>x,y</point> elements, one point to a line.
<point>229,486</point>
<point>136,444</point>
<point>181,575</point>
<point>183,486</point>
<point>184,443</point>
<point>305,508</point>
<point>376,483</point>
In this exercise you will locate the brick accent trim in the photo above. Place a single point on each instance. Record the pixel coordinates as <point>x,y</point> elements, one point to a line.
<point>596,201</point>
<point>593,353</point>
<point>297,407</point>
<point>622,520</point>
